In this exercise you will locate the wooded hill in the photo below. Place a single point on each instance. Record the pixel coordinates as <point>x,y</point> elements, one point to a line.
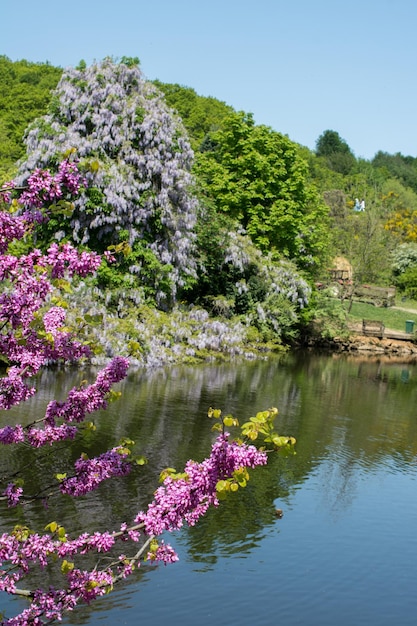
<point>246,209</point>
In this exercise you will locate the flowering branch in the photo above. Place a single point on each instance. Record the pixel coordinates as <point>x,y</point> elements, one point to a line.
<point>33,334</point>
<point>183,498</point>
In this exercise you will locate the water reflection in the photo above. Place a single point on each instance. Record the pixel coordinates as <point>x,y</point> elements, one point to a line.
<point>350,412</point>
<point>354,420</point>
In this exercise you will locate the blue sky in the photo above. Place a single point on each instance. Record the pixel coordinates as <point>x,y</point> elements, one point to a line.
<point>300,66</point>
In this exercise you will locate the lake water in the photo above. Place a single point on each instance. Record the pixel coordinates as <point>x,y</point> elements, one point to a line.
<point>345,551</point>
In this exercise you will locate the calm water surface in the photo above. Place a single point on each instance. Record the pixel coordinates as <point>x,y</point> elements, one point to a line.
<point>345,551</point>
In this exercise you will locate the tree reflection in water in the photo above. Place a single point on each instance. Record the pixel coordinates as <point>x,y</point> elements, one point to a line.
<point>354,421</point>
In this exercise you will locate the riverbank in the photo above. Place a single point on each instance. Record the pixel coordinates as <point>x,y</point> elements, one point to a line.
<point>359,344</point>
<point>151,338</point>
<point>385,345</point>
<point>393,342</point>
<point>375,342</point>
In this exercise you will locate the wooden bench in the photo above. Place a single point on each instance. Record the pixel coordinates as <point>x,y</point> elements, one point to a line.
<point>375,328</point>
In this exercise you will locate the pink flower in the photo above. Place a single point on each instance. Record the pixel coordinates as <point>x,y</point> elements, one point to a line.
<point>91,472</point>
<point>187,499</point>
<point>13,494</point>
<point>54,319</point>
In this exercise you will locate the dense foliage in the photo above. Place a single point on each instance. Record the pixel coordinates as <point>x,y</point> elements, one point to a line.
<point>257,177</point>
<point>248,189</point>
<point>403,168</point>
<point>335,151</point>
<point>201,115</point>
<point>142,198</point>
<point>24,94</point>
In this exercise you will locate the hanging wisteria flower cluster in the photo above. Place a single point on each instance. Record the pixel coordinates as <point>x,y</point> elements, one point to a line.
<point>139,162</point>
<point>280,277</point>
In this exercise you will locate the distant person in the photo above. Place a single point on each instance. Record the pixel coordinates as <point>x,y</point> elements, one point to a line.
<point>357,205</point>
<point>362,205</point>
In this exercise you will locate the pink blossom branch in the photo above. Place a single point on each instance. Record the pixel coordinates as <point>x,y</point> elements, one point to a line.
<point>177,501</point>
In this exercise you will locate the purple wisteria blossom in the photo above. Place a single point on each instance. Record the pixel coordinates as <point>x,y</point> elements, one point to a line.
<point>142,164</point>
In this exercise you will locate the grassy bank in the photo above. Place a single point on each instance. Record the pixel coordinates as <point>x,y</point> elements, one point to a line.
<point>391,317</point>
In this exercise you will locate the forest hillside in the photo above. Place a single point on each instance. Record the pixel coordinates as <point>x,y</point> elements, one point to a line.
<point>220,229</point>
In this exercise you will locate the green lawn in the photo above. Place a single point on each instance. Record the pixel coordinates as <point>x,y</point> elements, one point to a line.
<point>391,318</point>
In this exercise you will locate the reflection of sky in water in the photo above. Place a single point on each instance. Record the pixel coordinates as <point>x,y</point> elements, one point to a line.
<point>310,567</point>
<point>345,550</point>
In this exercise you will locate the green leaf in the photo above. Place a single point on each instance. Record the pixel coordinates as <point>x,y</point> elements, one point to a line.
<point>61,532</point>
<point>168,471</point>
<point>221,486</point>
<point>125,441</point>
<point>21,532</point>
<point>62,284</point>
<point>280,442</point>
<point>66,566</point>
<point>153,547</point>
<point>93,320</point>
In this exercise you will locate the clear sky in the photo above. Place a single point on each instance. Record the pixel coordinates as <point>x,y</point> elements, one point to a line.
<point>300,66</point>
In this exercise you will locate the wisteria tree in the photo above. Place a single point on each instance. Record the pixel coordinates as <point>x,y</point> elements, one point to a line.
<point>33,335</point>
<point>137,159</point>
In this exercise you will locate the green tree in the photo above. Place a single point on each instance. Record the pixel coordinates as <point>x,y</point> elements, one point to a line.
<point>362,238</point>
<point>324,178</point>
<point>257,177</point>
<point>407,282</point>
<point>335,151</point>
